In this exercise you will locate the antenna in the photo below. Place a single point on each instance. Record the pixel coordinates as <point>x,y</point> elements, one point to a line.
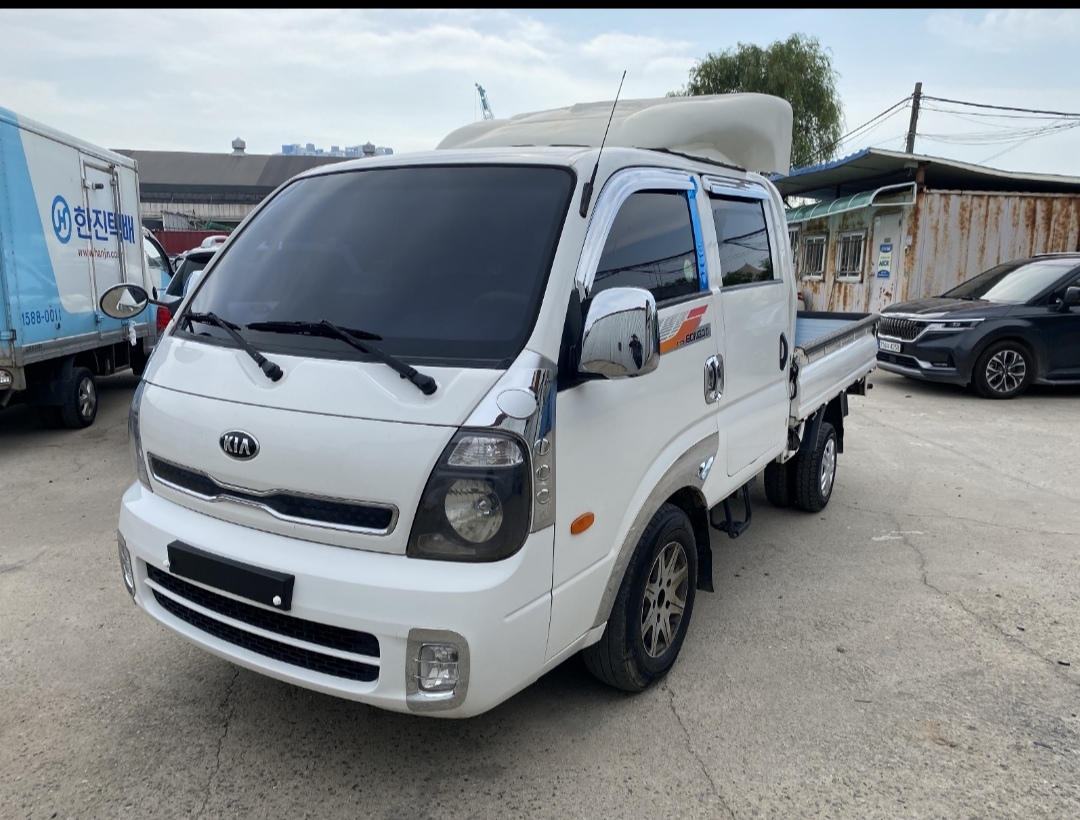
<point>586,192</point>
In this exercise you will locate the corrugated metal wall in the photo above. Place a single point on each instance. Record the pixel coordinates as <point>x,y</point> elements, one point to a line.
<point>954,235</point>
<point>826,293</point>
<point>958,234</point>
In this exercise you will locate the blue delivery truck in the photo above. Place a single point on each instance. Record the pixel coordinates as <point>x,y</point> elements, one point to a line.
<point>69,229</point>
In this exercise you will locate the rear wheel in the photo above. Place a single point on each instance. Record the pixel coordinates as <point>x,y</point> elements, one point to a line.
<point>815,471</point>
<point>1003,371</point>
<point>779,481</point>
<point>81,405</point>
<point>651,614</point>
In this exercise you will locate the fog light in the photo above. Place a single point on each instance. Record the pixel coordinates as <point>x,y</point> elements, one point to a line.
<point>6,379</point>
<point>125,564</point>
<point>437,667</point>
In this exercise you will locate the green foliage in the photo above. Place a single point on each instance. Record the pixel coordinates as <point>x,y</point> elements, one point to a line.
<point>796,69</point>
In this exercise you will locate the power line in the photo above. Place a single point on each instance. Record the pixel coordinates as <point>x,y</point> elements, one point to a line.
<point>1027,139</point>
<point>1003,107</point>
<point>828,148</point>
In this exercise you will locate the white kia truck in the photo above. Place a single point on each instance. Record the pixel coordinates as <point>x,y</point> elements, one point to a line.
<point>69,230</point>
<point>429,424</point>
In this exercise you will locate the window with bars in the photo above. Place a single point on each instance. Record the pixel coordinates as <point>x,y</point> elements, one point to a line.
<point>793,241</point>
<point>813,257</point>
<point>849,256</point>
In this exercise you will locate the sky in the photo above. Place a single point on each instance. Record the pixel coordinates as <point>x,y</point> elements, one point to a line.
<point>193,80</point>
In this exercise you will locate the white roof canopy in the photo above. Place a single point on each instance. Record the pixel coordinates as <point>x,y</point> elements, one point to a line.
<point>752,131</point>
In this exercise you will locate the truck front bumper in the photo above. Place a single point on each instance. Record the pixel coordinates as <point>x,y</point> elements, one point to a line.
<point>358,621</point>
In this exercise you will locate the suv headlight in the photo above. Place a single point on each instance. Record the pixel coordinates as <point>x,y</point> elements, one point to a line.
<point>476,504</point>
<point>950,327</point>
<point>135,438</point>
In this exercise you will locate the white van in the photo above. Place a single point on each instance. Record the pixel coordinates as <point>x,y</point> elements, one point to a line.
<point>429,424</point>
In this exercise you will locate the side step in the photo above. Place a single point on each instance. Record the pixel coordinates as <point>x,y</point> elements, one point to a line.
<point>729,525</point>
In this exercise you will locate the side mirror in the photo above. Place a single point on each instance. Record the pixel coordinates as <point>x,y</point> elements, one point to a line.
<point>622,334</point>
<point>124,301</point>
<point>1072,297</point>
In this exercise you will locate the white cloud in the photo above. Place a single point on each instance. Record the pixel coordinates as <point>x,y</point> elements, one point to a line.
<point>1005,30</point>
<point>193,80</point>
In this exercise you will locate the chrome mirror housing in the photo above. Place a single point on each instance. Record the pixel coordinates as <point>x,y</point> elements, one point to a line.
<point>622,334</point>
<point>124,301</point>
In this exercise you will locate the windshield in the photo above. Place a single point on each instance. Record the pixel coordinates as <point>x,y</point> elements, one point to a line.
<point>1013,283</point>
<point>447,264</point>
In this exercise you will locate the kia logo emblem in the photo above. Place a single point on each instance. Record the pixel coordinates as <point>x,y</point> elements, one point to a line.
<point>239,445</point>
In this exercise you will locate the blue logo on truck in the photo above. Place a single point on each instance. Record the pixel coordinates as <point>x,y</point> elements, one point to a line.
<point>61,219</point>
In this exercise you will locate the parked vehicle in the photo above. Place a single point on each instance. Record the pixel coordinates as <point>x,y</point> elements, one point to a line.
<point>191,262</point>
<point>1002,331</point>
<point>432,423</point>
<point>69,230</point>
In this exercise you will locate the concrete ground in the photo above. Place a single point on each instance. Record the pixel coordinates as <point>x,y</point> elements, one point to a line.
<point>913,651</point>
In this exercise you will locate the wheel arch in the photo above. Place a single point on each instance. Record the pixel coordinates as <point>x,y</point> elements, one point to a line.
<point>681,484</point>
<point>1012,334</point>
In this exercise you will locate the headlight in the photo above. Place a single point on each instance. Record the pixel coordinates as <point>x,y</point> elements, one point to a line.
<point>135,437</point>
<point>476,504</point>
<point>6,379</point>
<point>948,327</point>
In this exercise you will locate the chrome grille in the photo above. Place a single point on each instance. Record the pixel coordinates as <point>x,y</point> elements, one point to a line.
<point>906,330</point>
<point>376,519</point>
<point>310,632</point>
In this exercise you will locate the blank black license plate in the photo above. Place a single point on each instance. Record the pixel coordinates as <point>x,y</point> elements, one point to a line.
<point>265,586</point>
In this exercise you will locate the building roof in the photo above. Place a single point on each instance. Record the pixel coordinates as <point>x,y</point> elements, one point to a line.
<point>872,168</point>
<point>245,178</point>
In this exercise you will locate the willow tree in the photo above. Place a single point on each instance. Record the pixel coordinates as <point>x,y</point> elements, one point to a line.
<point>797,69</point>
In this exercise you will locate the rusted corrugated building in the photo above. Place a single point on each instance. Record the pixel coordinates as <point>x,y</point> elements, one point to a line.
<point>889,226</point>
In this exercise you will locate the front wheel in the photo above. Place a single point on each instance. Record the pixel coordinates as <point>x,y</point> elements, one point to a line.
<point>651,614</point>
<point>815,471</point>
<point>1003,371</point>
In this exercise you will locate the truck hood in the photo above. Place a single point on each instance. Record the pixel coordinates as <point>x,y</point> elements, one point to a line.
<point>362,390</point>
<point>342,450</point>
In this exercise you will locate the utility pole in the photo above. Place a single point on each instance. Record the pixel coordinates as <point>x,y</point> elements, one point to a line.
<point>914,118</point>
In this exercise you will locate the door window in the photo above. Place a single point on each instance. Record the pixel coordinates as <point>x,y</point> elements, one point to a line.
<point>651,246</point>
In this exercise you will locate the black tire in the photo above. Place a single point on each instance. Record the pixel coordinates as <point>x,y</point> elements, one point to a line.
<point>139,358</point>
<point>1003,371</point>
<point>636,649</point>
<point>779,481</point>
<point>815,471</point>
<point>80,408</point>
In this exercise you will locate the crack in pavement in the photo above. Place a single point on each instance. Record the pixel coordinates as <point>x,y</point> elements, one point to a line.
<point>229,710</point>
<point>987,465</point>
<point>696,756</point>
<point>979,619</point>
<point>930,516</point>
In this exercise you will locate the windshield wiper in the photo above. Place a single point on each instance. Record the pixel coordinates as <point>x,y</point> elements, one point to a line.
<point>426,383</point>
<point>268,367</point>
<point>310,329</point>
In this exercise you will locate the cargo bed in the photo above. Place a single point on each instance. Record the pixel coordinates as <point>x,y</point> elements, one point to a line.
<point>833,351</point>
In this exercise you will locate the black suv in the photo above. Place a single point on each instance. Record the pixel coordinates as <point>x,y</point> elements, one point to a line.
<point>1014,325</point>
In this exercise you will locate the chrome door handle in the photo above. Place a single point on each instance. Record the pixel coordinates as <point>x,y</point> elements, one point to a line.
<point>714,379</point>
<point>712,394</point>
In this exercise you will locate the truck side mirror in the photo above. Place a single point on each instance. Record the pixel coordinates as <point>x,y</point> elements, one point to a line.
<point>621,337</point>
<point>124,301</point>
